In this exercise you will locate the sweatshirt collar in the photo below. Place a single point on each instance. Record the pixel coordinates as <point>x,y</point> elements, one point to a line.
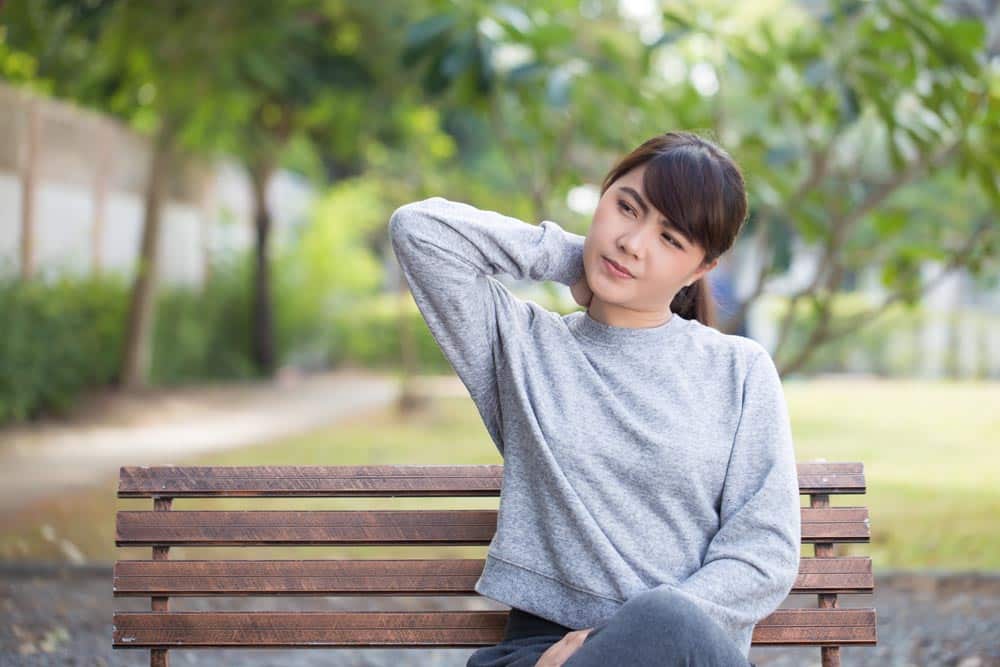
<point>606,334</point>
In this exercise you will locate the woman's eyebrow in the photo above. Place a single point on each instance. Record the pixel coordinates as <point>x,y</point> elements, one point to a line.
<point>645,211</point>
<point>638,199</point>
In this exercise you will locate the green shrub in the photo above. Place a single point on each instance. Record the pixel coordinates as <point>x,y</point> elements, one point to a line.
<point>369,334</point>
<point>56,339</point>
<point>204,333</point>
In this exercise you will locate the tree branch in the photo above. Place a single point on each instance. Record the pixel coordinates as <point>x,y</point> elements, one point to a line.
<point>860,320</point>
<point>843,224</point>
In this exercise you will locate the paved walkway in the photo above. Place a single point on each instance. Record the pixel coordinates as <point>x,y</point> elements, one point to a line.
<point>163,426</point>
<point>52,619</point>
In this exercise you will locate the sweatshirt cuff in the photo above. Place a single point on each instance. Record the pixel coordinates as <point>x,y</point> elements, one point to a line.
<point>566,265</point>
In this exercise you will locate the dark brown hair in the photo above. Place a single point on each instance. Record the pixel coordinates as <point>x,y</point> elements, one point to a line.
<point>699,189</point>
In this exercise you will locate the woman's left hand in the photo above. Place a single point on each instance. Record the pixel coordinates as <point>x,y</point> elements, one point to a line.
<point>560,652</point>
<point>581,292</point>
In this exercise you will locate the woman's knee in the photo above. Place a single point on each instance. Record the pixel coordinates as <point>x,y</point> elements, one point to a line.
<point>667,609</point>
<point>658,626</point>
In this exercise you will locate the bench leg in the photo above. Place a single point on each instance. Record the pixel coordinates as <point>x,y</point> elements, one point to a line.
<point>158,656</point>
<point>829,655</point>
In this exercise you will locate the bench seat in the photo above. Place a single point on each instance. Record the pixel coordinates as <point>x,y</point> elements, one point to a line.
<point>824,575</point>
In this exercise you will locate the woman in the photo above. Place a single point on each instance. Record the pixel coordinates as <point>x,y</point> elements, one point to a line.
<point>649,512</point>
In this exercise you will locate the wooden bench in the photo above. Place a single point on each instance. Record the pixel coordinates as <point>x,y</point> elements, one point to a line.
<point>824,575</point>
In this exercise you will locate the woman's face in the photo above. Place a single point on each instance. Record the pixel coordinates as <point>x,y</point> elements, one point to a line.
<point>628,230</point>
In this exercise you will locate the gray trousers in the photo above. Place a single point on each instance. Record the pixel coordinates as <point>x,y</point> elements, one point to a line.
<point>654,628</point>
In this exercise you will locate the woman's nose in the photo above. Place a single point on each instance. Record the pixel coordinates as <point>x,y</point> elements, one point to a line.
<point>631,242</point>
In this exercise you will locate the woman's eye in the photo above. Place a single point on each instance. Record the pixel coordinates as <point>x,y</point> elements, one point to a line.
<point>625,207</point>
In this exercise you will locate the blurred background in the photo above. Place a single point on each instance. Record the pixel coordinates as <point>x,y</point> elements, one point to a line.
<point>195,268</point>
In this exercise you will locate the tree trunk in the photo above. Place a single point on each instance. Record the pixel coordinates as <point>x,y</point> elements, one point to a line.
<point>410,399</point>
<point>262,325</point>
<point>102,181</point>
<point>141,316</point>
<point>207,217</point>
<point>29,178</point>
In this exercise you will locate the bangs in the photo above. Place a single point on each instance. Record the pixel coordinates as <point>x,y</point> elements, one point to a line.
<point>687,187</point>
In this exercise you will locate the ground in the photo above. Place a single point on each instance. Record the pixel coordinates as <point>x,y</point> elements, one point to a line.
<point>170,424</point>
<point>61,614</point>
<point>63,617</point>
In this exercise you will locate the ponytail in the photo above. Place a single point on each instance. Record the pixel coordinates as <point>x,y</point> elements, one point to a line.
<point>695,302</point>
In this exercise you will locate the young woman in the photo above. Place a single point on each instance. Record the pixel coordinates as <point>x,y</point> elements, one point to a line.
<point>650,505</point>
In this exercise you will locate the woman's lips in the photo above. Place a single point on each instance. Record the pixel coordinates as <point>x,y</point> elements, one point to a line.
<point>614,270</point>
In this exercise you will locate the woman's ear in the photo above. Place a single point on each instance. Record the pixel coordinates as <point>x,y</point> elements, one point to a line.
<point>701,271</point>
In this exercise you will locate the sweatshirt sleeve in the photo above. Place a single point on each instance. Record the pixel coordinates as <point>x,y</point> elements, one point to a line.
<point>448,252</point>
<point>752,561</point>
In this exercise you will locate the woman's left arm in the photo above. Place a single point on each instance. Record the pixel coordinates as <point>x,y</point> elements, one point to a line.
<point>752,561</point>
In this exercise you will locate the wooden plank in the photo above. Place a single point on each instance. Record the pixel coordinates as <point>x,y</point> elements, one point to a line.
<point>311,481</point>
<point>840,574</point>
<point>835,524</point>
<point>418,629</point>
<point>370,527</point>
<point>832,478</point>
<point>385,480</point>
<point>451,576</point>
<point>807,627</point>
<point>386,527</point>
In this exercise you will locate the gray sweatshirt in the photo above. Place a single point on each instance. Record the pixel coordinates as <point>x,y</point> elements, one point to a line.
<point>633,457</point>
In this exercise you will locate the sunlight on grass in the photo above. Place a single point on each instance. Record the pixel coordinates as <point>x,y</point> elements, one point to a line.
<point>929,450</point>
<point>931,463</point>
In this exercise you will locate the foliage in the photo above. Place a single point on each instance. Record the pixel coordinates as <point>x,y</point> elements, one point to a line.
<point>201,333</point>
<point>870,131</point>
<point>891,347</point>
<point>327,267</point>
<point>842,117</point>
<point>56,340</point>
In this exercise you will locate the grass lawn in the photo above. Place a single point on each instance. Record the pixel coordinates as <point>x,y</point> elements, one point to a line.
<point>929,448</point>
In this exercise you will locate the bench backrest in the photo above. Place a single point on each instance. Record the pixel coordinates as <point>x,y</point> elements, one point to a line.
<point>825,574</point>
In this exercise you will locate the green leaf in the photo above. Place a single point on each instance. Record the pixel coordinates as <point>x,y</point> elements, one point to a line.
<point>527,73</point>
<point>430,29</point>
<point>557,88</point>
<point>674,18</point>
<point>668,38</point>
<point>426,39</point>
<point>889,223</point>
<point>457,59</point>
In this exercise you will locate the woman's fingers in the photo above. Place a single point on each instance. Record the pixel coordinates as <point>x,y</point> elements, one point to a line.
<point>581,292</point>
<point>560,652</point>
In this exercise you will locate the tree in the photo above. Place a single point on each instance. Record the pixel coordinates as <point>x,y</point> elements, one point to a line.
<point>839,119</point>
<point>294,74</point>
<point>248,79</point>
<point>117,57</point>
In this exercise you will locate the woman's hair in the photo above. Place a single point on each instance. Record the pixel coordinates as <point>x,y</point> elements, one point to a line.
<point>698,187</point>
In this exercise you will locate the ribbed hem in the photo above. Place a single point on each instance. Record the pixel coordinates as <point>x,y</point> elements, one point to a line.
<point>543,596</point>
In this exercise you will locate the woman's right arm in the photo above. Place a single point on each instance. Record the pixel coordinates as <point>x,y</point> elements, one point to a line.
<point>448,252</point>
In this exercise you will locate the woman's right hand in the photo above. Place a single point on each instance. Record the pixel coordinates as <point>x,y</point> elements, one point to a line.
<point>581,292</point>
<point>561,651</point>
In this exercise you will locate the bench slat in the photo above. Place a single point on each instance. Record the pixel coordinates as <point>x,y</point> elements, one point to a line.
<point>452,576</point>
<point>386,480</point>
<point>418,629</point>
<point>386,527</point>
<point>310,481</point>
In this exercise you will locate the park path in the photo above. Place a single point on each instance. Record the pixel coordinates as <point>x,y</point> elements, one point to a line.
<point>169,425</point>
<point>63,616</point>
<point>53,618</point>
